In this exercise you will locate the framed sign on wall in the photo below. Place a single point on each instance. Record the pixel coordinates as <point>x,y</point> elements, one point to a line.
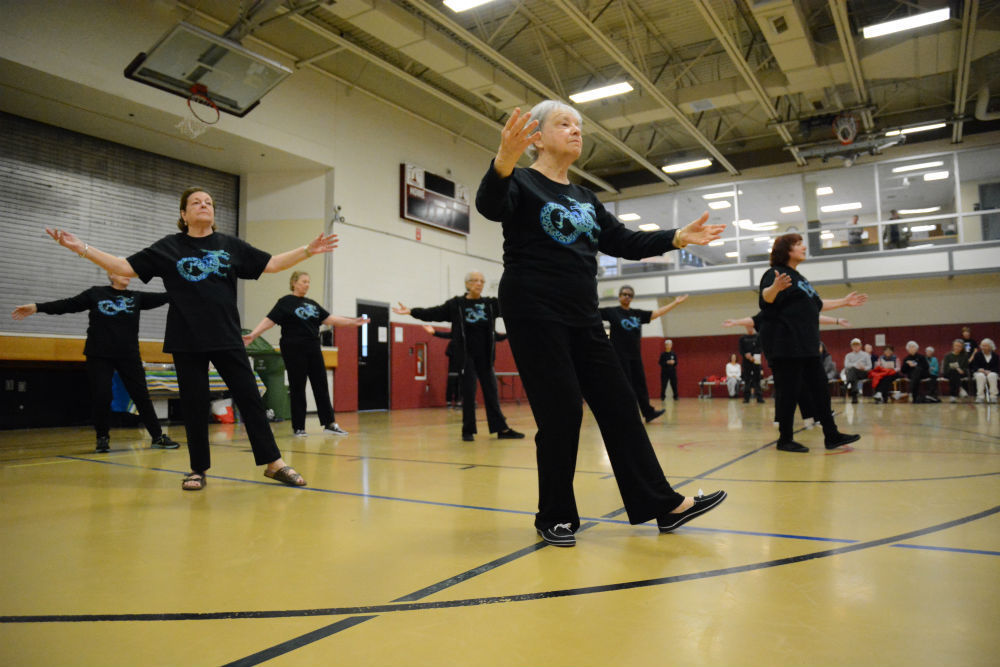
<point>433,200</point>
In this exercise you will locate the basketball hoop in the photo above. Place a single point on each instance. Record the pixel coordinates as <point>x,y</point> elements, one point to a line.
<point>192,128</point>
<point>201,105</point>
<point>845,128</point>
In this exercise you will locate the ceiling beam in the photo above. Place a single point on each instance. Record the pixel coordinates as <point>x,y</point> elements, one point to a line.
<point>743,67</point>
<point>838,9</point>
<point>969,13</point>
<point>485,49</point>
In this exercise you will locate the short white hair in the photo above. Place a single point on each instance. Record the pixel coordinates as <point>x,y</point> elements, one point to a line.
<point>988,341</point>
<point>541,113</point>
<point>929,350</point>
<point>468,276</point>
<point>912,344</point>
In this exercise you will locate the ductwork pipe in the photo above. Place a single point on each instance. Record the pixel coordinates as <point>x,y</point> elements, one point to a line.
<point>983,103</point>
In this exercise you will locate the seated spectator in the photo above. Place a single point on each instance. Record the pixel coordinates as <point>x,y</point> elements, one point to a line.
<point>956,369</point>
<point>885,370</point>
<point>857,363</point>
<point>829,365</point>
<point>733,373</point>
<point>915,368</point>
<point>985,366</point>
<point>871,353</point>
<point>933,368</point>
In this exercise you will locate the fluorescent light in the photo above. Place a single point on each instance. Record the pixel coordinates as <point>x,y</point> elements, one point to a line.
<point>790,209</point>
<point>716,242</point>
<point>919,128</point>
<point>761,239</point>
<point>687,166</point>
<point>745,223</point>
<point>923,228</point>
<point>824,190</point>
<point>850,206</point>
<point>908,23</point>
<point>766,226</point>
<point>915,167</point>
<point>732,254</point>
<point>719,195</point>
<point>718,204</point>
<point>649,227</point>
<point>936,175</point>
<point>629,217</point>
<point>918,211</point>
<point>462,5</point>
<point>826,235</point>
<point>602,92</point>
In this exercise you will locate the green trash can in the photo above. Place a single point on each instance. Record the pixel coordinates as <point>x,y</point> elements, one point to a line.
<point>269,365</point>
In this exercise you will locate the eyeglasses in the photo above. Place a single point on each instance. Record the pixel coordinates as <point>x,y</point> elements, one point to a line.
<point>629,295</point>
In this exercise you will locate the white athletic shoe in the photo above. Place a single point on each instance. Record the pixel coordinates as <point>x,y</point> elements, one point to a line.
<point>962,393</point>
<point>953,399</point>
<point>300,433</point>
<point>334,429</point>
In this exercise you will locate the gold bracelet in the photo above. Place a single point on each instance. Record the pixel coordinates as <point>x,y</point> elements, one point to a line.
<point>676,236</point>
<point>306,248</point>
<point>86,249</point>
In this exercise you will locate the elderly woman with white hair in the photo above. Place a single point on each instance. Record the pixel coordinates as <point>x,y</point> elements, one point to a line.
<point>985,367</point>
<point>552,231</point>
<point>915,369</point>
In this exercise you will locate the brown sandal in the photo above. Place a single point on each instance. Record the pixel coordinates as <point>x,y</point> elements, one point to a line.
<point>286,475</point>
<point>194,477</point>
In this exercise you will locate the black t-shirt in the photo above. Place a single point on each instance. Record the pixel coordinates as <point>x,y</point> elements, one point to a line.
<point>668,356</point>
<point>113,329</point>
<point>552,232</point>
<point>299,318</point>
<point>626,330</point>
<point>789,327</point>
<point>749,344</point>
<point>477,325</point>
<point>200,275</point>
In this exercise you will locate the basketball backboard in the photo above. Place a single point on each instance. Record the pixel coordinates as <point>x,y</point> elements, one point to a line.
<point>187,57</point>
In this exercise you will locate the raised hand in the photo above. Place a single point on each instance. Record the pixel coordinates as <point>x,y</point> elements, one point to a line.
<point>66,240</point>
<point>782,281</point>
<point>24,311</point>
<point>698,232</point>
<point>401,309</point>
<point>518,133</point>
<point>855,299</point>
<point>322,244</point>
<point>429,329</point>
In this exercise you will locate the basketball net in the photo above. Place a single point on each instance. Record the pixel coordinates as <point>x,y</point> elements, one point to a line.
<point>204,112</point>
<point>191,127</point>
<point>845,128</point>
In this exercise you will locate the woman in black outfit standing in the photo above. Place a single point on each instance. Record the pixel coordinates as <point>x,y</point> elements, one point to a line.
<point>789,334</point>
<point>299,318</point>
<point>112,345</point>
<point>200,268</point>
<point>548,294</point>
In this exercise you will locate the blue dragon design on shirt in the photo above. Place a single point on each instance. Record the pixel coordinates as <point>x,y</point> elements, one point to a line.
<point>195,269</point>
<point>630,323</point>
<point>807,288</point>
<point>566,222</point>
<point>476,313</point>
<point>122,304</point>
<point>306,311</point>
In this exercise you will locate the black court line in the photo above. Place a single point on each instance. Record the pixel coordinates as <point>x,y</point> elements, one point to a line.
<point>503,599</point>
<point>298,642</point>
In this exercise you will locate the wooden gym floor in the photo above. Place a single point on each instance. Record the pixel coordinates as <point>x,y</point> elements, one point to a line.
<point>410,547</point>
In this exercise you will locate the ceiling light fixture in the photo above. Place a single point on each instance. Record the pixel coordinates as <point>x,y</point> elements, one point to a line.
<point>687,166</point>
<point>908,23</point>
<point>936,175</point>
<point>629,217</point>
<point>716,242</point>
<point>915,167</point>
<point>732,254</point>
<point>649,227</point>
<point>463,5</point>
<point>601,93</point>
<point>716,205</point>
<point>918,211</point>
<point>719,195</point>
<point>832,208</point>
<point>923,228</point>
<point>824,190</point>
<point>919,128</point>
<point>826,235</point>
<point>790,209</point>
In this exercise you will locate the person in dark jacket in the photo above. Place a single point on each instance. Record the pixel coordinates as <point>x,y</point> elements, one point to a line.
<point>789,334</point>
<point>112,345</point>
<point>668,369</point>
<point>750,356</point>
<point>473,329</point>
<point>553,230</point>
<point>915,367</point>
<point>452,393</point>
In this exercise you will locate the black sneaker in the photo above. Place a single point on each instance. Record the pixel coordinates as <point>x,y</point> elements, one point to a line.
<point>509,434</point>
<point>854,399</point>
<point>792,446</point>
<point>702,504</point>
<point>164,442</point>
<point>654,414</point>
<point>760,399</point>
<point>468,437</point>
<point>559,535</point>
<point>104,444</point>
<point>841,439</point>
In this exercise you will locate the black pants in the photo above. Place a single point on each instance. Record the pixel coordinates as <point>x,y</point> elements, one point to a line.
<point>478,367</point>
<point>854,377</point>
<point>302,361</point>
<point>100,370</point>
<point>884,385</point>
<point>802,381</point>
<point>234,368</point>
<point>915,375</point>
<point>751,379</point>
<point>668,375</point>
<point>452,389</point>
<point>955,380</point>
<point>560,367</point>
<point>636,376</point>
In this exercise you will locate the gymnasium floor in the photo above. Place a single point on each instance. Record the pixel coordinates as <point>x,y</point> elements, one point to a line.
<point>410,547</point>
